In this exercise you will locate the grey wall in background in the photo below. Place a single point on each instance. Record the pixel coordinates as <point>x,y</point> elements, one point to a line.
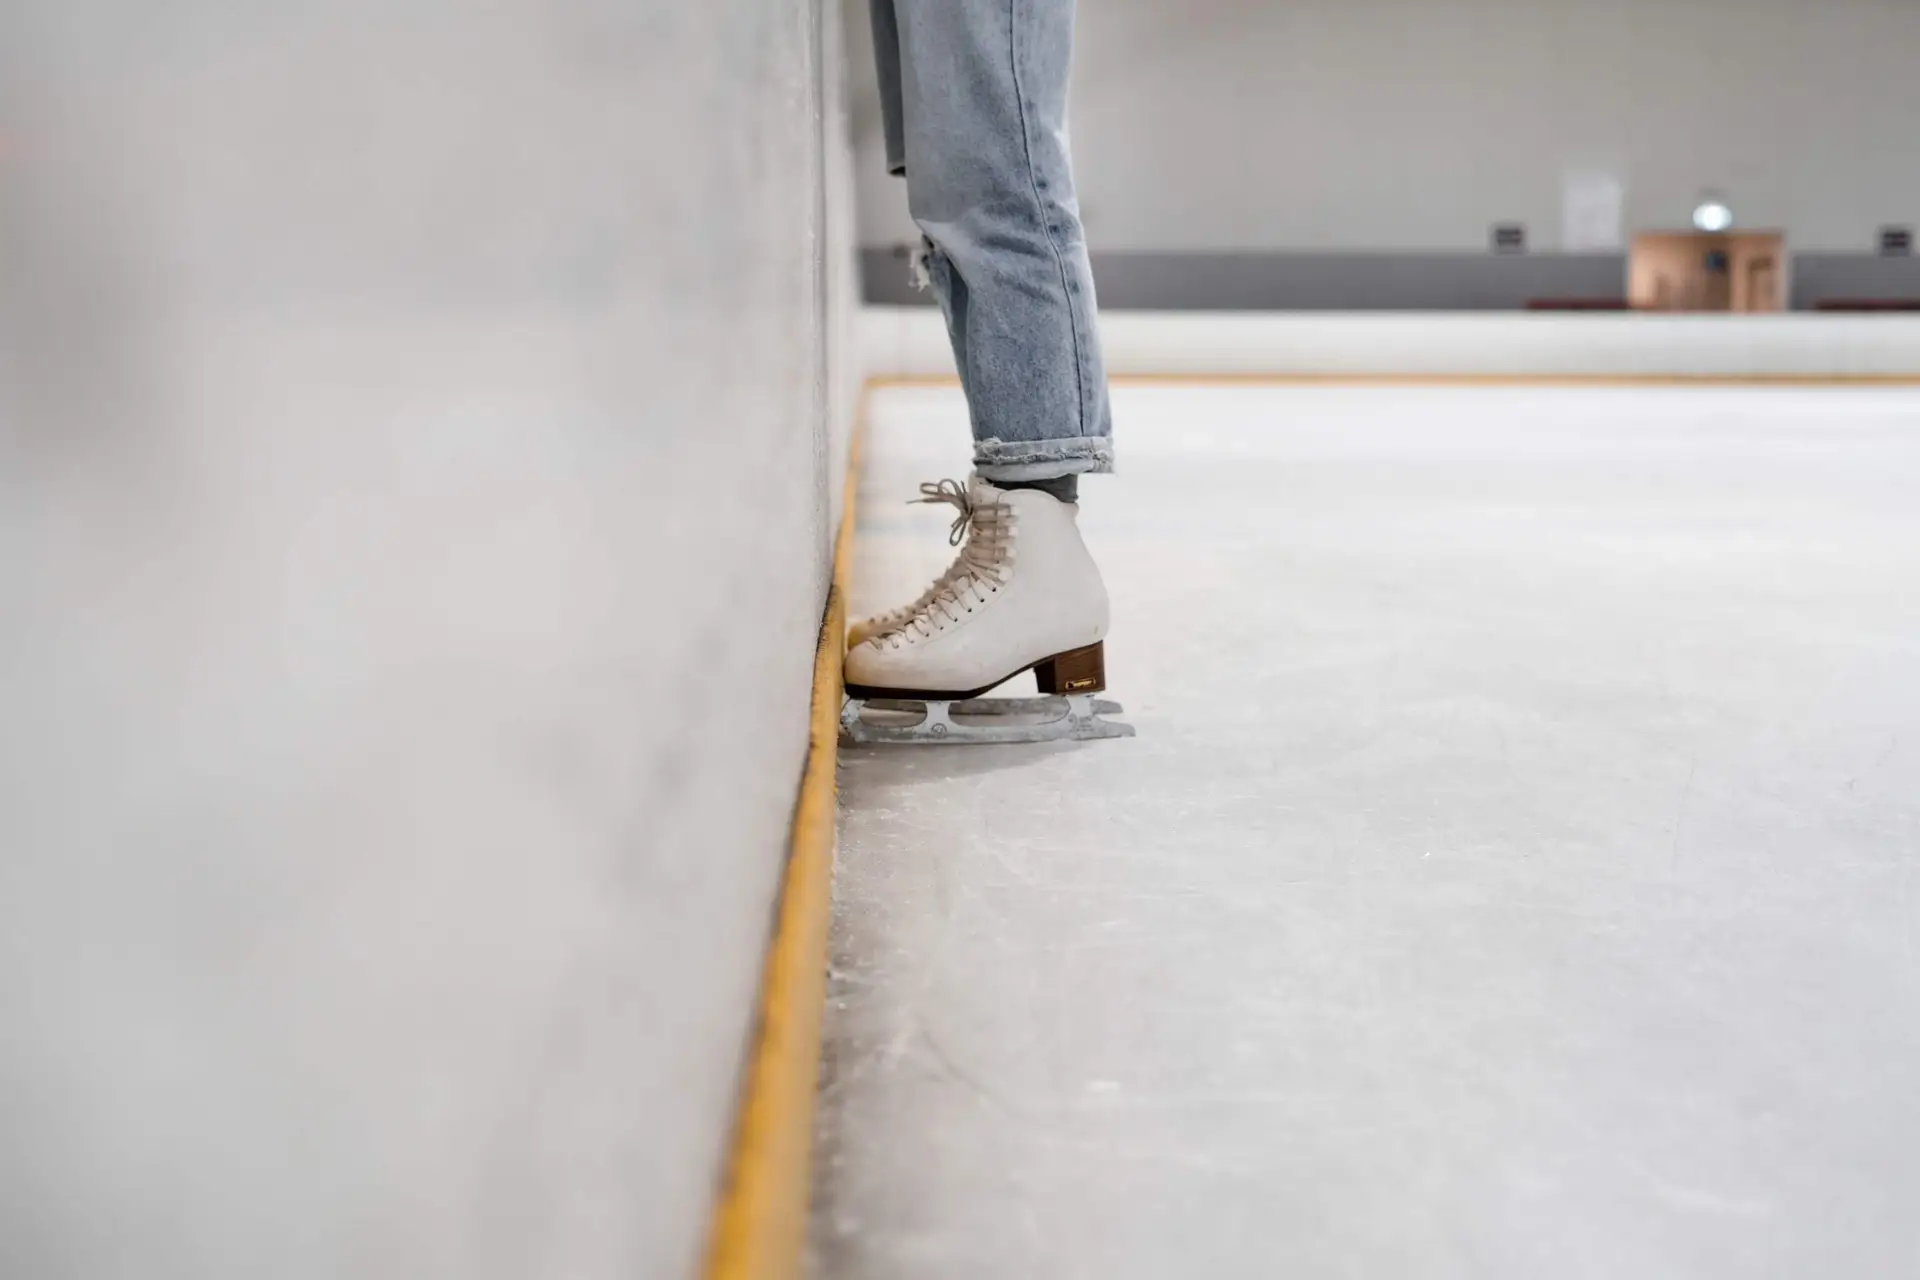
<point>1410,126</point>
<point>413,536</point>
<point>1395,281</point>
<point>1309,281</point>
<point>1819,277</point>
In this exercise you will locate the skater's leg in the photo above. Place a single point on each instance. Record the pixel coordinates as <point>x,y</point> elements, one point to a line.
<point>983,100</point>
<point>975,93</point>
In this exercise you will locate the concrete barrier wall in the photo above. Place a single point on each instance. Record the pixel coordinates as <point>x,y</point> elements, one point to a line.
<point>419,428</point>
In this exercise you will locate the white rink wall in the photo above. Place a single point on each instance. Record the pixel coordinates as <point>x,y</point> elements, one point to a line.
<point>416,487</point>
<point>912,342</point>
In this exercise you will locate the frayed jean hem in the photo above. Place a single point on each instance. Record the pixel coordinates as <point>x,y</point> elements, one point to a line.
<point>1043,459</point>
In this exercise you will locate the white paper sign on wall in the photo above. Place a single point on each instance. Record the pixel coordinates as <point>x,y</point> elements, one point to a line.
<point>1593,212</point>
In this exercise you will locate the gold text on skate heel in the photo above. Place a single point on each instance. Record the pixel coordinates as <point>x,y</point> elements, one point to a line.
<point>1075,671</point>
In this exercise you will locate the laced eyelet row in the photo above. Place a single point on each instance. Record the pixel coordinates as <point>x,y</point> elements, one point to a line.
<point>983,531</point>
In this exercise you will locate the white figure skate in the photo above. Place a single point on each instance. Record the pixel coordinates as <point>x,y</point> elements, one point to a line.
<point>1023,595</point>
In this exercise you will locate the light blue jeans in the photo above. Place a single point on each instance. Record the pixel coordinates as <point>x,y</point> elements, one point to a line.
<point>974,95</point>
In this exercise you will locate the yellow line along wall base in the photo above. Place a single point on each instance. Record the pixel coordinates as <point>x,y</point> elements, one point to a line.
<point>760,1225</point>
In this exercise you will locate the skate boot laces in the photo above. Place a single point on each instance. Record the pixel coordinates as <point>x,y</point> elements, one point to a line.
<point>980,570</point>
<point>950,492</point>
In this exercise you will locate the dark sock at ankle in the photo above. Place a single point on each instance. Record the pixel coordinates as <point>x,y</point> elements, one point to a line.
<point>1065,488</point>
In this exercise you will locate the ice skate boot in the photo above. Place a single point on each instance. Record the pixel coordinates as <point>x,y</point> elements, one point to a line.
<point>1023,595</point>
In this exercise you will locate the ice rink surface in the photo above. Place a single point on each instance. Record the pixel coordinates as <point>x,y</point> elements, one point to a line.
<point>1517,872</point>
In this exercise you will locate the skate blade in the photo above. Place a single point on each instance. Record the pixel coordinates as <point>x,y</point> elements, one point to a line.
<point>1076,717</point>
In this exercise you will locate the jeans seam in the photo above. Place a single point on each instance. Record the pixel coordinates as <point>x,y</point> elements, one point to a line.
<point>1046,222</point>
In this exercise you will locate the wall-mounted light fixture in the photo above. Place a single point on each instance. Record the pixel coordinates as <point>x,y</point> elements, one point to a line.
<point>1712,213</point>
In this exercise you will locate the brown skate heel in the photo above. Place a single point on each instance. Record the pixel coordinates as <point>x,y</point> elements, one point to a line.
<point>1075,671</point>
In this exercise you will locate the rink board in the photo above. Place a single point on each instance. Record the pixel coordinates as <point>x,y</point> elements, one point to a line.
<point>911,342</point>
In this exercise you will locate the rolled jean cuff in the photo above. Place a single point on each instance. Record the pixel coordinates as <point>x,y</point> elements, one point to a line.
<point>1043,459</point>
